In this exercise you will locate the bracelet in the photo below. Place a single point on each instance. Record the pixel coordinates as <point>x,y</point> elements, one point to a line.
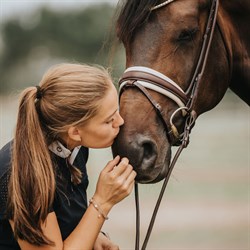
<point>97,207</point>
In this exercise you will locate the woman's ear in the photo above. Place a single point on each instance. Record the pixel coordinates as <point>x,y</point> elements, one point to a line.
<point>74,134</point>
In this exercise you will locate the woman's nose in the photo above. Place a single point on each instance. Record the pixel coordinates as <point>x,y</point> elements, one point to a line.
<point>119,120</point>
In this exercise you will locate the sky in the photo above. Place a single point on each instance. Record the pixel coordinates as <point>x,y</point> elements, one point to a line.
<point>13,8</point>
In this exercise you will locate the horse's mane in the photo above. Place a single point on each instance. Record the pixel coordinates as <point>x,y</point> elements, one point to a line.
<point>132,14</point>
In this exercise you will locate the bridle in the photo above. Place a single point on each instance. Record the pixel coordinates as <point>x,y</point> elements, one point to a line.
<point>144,78</point>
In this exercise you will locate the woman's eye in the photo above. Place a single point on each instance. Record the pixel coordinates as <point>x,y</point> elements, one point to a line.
<point>110,121</point>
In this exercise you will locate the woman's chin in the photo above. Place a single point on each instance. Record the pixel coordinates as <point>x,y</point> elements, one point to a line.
<point>107,145</point>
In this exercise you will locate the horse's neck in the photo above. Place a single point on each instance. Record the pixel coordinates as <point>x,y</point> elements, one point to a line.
<point>238,15</point>
<point>234,20</point>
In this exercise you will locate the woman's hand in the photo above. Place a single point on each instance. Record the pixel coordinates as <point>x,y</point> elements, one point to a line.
<point>104,243</point>
<point>115,182</point>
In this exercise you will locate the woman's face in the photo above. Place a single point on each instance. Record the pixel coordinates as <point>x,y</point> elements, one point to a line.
<point>102,129</point>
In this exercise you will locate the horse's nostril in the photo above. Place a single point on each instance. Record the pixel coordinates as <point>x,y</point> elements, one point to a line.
<point>148,150</point>
<point>149,154</point>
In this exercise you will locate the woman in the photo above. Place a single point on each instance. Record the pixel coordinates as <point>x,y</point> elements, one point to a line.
<point>43,178</point>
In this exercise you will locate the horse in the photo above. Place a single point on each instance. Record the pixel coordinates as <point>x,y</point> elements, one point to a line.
<point>181,57</point>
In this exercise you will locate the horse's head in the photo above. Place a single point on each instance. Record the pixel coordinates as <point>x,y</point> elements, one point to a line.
<point>166,44</point>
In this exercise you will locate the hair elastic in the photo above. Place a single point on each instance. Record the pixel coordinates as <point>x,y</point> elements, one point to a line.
<point>38,92</point>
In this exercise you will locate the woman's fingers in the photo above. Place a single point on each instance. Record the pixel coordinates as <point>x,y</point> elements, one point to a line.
<point>111,164</point>
<point>127,171</point>
<point>121,167</point>
<point>115,182</point>
<point>123,171</point>
<point>129,177</point>
<point>126,179</point>
<point>128,183</point>
<point>115,165</point>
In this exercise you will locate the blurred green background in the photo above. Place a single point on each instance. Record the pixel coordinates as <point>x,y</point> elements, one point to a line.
<point>206,205</point>
<point>66,31</point>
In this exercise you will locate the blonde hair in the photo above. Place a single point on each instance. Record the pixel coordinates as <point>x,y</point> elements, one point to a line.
<point>69,95</point>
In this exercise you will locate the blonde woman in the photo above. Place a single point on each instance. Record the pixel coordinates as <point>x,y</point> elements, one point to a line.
<point>43,177</point>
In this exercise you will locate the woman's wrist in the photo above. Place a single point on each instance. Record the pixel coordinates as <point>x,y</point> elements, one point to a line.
<point>98,208</point>
<point>101,206</point>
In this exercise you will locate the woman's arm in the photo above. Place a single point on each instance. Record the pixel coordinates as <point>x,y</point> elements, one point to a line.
<point>51,230</point>
<point>83,237</point>
<point>114,184</point>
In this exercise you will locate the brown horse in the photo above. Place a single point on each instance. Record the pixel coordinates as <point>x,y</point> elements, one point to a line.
<point>180,65</point>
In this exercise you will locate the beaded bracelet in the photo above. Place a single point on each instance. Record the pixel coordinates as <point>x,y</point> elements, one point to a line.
<point>97,207</point>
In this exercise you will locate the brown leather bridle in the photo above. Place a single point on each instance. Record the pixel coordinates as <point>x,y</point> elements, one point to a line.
<point>144,78</point>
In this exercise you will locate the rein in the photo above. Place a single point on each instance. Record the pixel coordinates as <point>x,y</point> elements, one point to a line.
<point>144,78</point>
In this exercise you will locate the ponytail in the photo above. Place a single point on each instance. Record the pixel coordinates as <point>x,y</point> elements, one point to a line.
<point>32,181</point>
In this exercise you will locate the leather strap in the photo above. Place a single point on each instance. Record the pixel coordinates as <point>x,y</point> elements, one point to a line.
<point>137,75</point>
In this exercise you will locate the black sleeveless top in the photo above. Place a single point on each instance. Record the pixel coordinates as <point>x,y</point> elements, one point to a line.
<point>70,201</point>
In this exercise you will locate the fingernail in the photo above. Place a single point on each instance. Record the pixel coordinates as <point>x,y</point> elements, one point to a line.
<point>124,160</point>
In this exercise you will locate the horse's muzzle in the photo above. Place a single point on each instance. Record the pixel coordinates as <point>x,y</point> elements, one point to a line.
<point>143,155</point>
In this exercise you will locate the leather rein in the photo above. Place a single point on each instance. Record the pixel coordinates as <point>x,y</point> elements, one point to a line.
<point>144,78</point>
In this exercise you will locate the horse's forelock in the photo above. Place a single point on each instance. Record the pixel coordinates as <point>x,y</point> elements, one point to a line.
<point>133,14</point>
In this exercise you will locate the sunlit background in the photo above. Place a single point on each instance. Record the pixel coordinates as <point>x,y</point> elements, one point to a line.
<point>206,205</point>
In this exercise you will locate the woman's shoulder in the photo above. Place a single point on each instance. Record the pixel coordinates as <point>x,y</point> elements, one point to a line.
<point>5,166</point>
<point>5,158</point>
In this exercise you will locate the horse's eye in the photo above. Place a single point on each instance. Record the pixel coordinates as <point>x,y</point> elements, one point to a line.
<point>187,35</point>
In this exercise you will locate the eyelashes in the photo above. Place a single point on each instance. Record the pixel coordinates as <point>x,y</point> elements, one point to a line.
<point>187,35</point>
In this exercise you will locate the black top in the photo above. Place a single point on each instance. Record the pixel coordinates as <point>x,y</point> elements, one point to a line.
<point>70,201</point>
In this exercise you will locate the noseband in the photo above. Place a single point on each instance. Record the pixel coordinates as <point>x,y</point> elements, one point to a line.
<point>144,78</point>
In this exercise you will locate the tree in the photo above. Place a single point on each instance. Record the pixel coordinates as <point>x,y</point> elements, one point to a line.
<point>30,47</point>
